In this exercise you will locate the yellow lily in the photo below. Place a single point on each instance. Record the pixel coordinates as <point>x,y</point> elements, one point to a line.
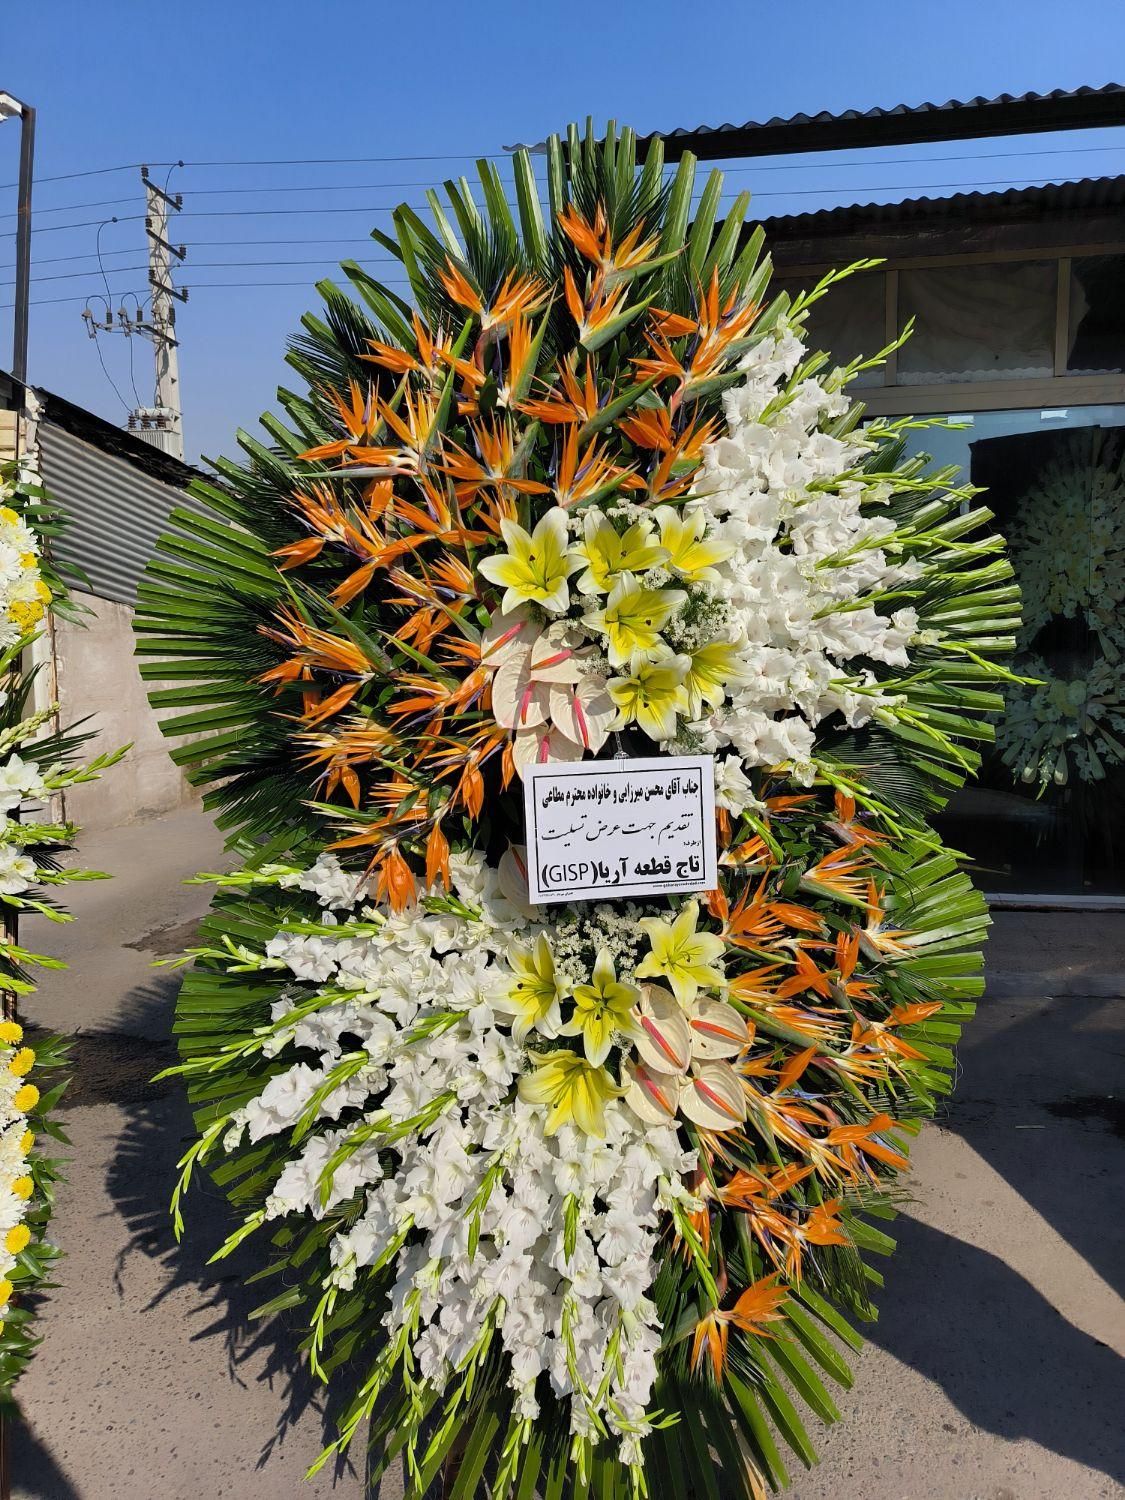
<point>652,695</point>
<point>633,618</point>
<point>712,672</point>
<point>537,565</point>
<point>681,954</point>
<point>533,996</point>
<point>574,1091</point>
<point>608,555</point>
<point>601,1009</point>
<point>689,556</point>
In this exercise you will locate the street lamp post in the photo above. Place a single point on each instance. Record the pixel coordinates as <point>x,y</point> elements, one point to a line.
<point>10,108</point>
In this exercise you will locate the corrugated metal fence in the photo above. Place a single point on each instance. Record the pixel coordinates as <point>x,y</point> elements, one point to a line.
<point>115,512</point>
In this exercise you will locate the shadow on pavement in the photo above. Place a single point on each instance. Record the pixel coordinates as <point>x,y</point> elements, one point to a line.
<point>1040,1099</point>
<point>140,1181</point>
<point>1000,1351</point>
<point>35,1472</point>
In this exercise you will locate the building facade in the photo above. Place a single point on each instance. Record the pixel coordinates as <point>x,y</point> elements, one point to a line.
<point>1015,304</point>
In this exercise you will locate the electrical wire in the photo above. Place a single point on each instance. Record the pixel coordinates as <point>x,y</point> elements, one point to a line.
<point>78,224</point>
<point>105,372</point>
<point>332,161</point>
<point>195,286</point>
<point>58,260</point>
<point>506,155</point>
<point>55,301</point>
<point>382,260</point>
<point>98,253</point>
<point>78,275</point>
<point>126,166</point>
<point>341,187</point>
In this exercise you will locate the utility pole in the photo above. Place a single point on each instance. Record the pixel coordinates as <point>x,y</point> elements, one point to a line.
<point>162,424</point>
<point>161,253</point>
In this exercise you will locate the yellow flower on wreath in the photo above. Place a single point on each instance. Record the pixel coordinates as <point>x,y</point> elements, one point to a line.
<point>537,566</point>
<point>575,1092</point>
<point>653,694</point>
<point>533,996</point>
<point>713,669</point>
<point>633,618</point>
<point>608,555</point>
<point>601,1009</point>
<point>689,556</point>
<point>17,1239</point>
<point>21,1062</point>
<point>682,955</point>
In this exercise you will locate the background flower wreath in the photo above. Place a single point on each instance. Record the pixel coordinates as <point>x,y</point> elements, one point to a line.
<point>37,761</point>
<point>586,1196</point>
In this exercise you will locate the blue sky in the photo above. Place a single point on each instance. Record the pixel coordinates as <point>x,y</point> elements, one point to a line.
<point>248,81</point>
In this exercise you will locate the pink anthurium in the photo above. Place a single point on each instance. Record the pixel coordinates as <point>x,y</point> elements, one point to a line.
<point>663,1038</point>
<point>507,635</point>
<point>713,1097</point>
<point>653,1097</point>
<point>583,711</point>
<point>717,1030</point>
<point>536,746</point>
<point>518,700</point>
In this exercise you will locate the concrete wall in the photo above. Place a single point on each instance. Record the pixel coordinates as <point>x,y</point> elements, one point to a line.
<point>97,676</point>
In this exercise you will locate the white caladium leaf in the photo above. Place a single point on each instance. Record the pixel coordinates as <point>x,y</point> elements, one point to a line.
<point>540,745</point>
<point>717,1030</point>
<point>653,1097</point>
<point>713,1097</point>
<point>583,712</point>
<point>518,701</point>
<point>663,1039</point>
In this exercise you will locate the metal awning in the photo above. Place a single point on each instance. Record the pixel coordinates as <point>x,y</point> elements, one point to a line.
<point>1087,196</point>
<point>901,125</point>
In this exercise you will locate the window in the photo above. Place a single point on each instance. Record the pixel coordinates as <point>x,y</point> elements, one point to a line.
<point>1097,315</point>
<point>978,322</point>
<point>850,319</point>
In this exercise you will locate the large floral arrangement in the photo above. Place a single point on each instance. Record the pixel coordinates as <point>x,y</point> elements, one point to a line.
<point>1066,717</point>
<point>575,1197</point>
<point>37,763</point>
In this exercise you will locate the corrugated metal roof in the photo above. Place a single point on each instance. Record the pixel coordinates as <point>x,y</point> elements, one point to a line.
<point>902,124</point>
<point>115,510</point>
<point>1052,197</point>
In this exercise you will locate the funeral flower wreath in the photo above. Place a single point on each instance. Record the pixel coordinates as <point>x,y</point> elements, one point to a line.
<point>37,761</point>
<point>575,1197</point>
<point>1065,721</point>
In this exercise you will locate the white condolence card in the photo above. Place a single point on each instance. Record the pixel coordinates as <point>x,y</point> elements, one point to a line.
<point>597,829</point>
